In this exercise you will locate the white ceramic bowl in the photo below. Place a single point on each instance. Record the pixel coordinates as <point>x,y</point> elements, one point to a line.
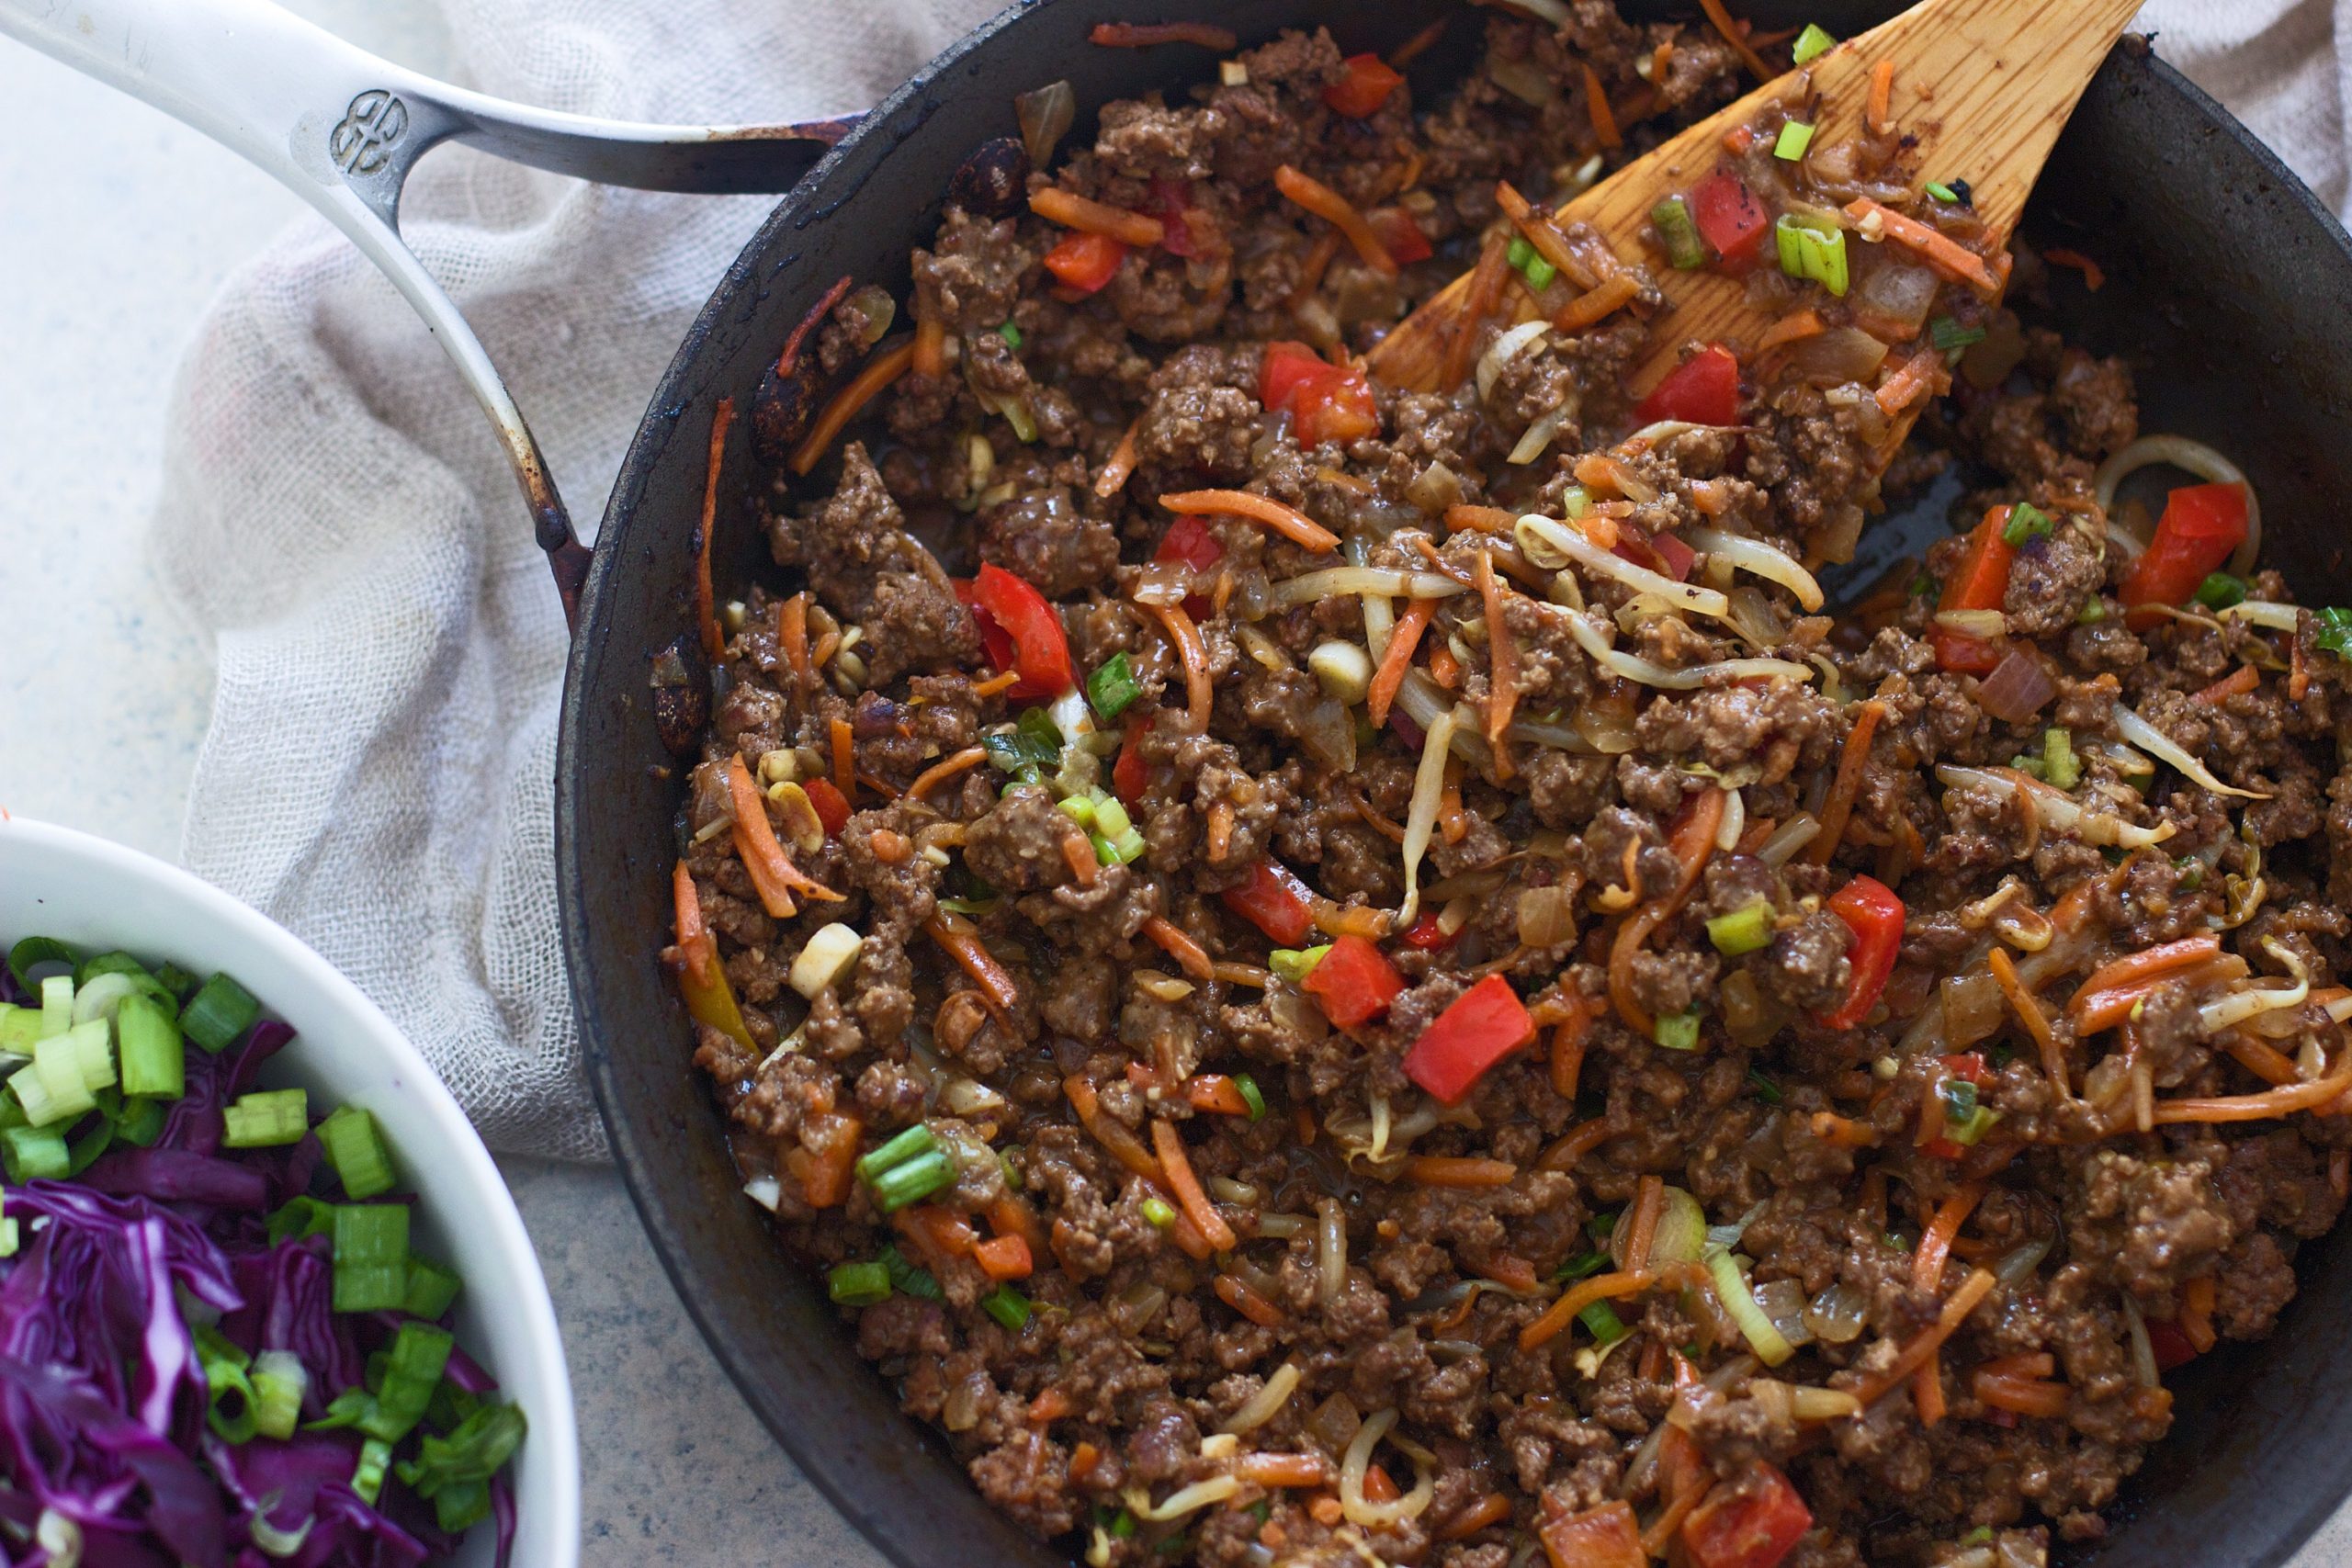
<point>100,897</point>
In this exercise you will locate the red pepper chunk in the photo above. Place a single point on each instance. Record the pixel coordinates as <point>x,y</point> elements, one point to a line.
<point>1606,1537</point>
<point>1753,1522</point>
<point>1675,557</point>
<point>1485,1024</point>
<point>1970,1066</point>
<point>2202,528</point>
<point>1275,901</point>
<point>1874,915</point>
<point>1428,933</point>
<point>1703,390</point>
<point>2170,1343</point>
<point>1980,582</point>
<point>1399,234</point>
<point>1364,88</point>
<point>1172,203</point>
<point>1030,628</point>
<point>832,810</point>
<point>1129,777</point>
<point>1326,402</point>
<point>1188,540</point>
<point>1730,220</point>
<point>1354,983</point>
<point>1086,262</point>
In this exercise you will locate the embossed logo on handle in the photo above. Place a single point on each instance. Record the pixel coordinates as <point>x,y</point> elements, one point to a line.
<point>362,142</point>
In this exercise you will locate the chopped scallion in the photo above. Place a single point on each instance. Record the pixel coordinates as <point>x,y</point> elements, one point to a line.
<point>916,1140</point>
<point>420,1352</point>
<point>1540,273</point>
<point>370,1257</point>
<point>218,1013</point>
<point>1679,1030</point>
<point>2220,590</point>
<point>1011,334</point>
<point>154,1058</point>
<point>1520,252</point>
<point>1250,1096</point>
<point>908,1280</point>
<point>1007,1306</point>
<point>1680,234</point>
<point>355,1147</point>
<point>2059,764</point>
<point>267,1119</point>
<point>1744,930</point>
<point>34,1154</point>
<point>1812,44</point>
<point>1583,1266</point>
<point>2026,521</point>
<point>2333,632</point>
<point>367,1475</point>
<point>1112,686</point>
<point>1159,1212</point>
<point>278,1384</point>
<point>1795,137</point>
<point>301,1217</point>
<point>2093,612</point>
<point>1110,819</point>
<point>1602,1321</point>
<point>1766,1089</point>
<point>911,1181</point>
<point>431,1290</point>
<point>859,1284</point>
<point>1078,809</point>
<point>1813,251</point>
<point>1948,334</point>
<point>1942,192</point>
<point>1295,964</point>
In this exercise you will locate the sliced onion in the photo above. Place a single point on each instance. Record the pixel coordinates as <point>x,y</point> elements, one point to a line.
<point>2018,1264</point>
<point>1784,1302</point>
<point>1505,349</point>
<point>1309,587</point>
<point>1045,117</point>
<point>1182,1501</point>
<point>1781,846</point>
<point>1902,294</point>
<point>1539,434</point>
<point>1837,357</point>
<point>1360,1510</point>
<point>2057,810</point>
<point>1162,582</point>
<point>1836,1314</point>
<point>1330,1252</point>
<point>1267,1403</point>
<point>1523,80</point>
<point>1282,1227</point>
<point>1759,559</point>
<point>2198,459</point>
<point>1771,1345</point>
<point>1735,823</point>
<point>1633,667</point>
<point>2017,688</point>
<point>1327,733</point>
<point>1660,430</point>
<point>1810,1404</point>
<point>1552,544</point>
<point>1547,917</point>
<point>1429,787</point>
<point>1607,726</point>
<point>1379,612</point>
<point>766,1191</point>
<point>1434,489</point>
<point>1973,1006</point>
<point>1973,623</point>
<point>2162,747</point>
<point>2262,612</point>
<point>1680,1235</point>
<point>2144,1353</point>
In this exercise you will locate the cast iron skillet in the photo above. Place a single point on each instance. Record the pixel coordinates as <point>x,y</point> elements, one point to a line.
<point>2229,289</point>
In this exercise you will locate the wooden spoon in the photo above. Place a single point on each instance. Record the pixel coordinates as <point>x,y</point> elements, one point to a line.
<point>1984,87</point>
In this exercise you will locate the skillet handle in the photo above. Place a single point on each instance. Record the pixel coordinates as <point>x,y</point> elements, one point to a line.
<point>342,128</point>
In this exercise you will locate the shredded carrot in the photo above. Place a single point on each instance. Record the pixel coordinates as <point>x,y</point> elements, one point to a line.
<point>1453,823</point>
<point>2260,1107</point>
<point>1404,637</point>
<point>1190,956</point>
<point>1478,302</point>
<point>1793,328</point>
<point>1200,697</point>
<point>1928,1273</point>
<point>1450,1170</point>
<point>1840,805</point>
<point>1567,1050</point>
<point>1962,1301</point>
<point>1502,653</point>
<point>1121,463</point>
<point>1539,232</point>
<point>825,1172</point>
<point>2023,1396</point>
<point>1004,681</point>
<point>1011,1215</point>
<point>1491,1509</point>
<point>1084,1459</point>
<point>1843,1132</point>
<point>1879,110</point>
<point>2196,1313</point>
<point>2238,682</point>
<point>1642,1218</point>
<point>931,349</point>
<point>1004,1258</point>
<point>1507,1269</point>
<point>1463,518</point>
<point>2299,674</point>
<point>1287,521</point>
<point>1277,1470</point>
<point>878,372</point>
<point>714,645</point>
<point>1311,268</point>
<point>1214,1091</point>
<point>2028,1008</point>
<point>1237,1294</point>
<point>696,945</point>
<point>1736,36</point>
<point>1078,853</point>
<point>1940,250</point>
<point>946,768</point>
<point>773,874</point>
<point>844,759</point>
<point>1693,843</point>
<point>819,313</point>
<point>2105,1010</point>
<point>792,636</point>
<point>1610,294</point>
<point>1112,1135</point>
<point>1596,103</point>
<point>827,646</point>
<point>1660,59</point>
<point>1445,669</point>
<point>1220,833</point>
<point>1336,209</point>
<point>1579,1296</point>
<point>1909,381</point>
<point>2093,275</point>
<point>1055,205</point>
<point>2263,1060</point>
<point>1576,1142</point>
<point>962,940</point>
<point>1177,1169</point>
<point>1247,974</point>
<point>2147,963</point>
<point>1667,1525</point>
<point>1143,35</point>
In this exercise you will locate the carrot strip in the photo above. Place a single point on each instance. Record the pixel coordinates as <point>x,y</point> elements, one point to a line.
<point>1839,807</point>
<point>2093,275</point>
<point>1878,110</point>
<point>1287,521</point>
<point>2028,1008</point>
<point>1576,1142</point>
<point>1121,464</point>
<point>1177,1171</point>
<point>877,373</point>
<point>2105,1010</point>
<point>1190,956</point>
<point>1540,232</point>
<point>1641,1219</point>
<point>1004,681</point>
<point>1610,294</point>
<point>1445,670</point>
<point>1085,1458</point>
<point>1004,1258</point>
<point>2260,1107</point>
<point>1143,35</point>
<point>1080,856</point>
<point>1596,103</point>
<point>1735,37</point>
<point>1579,1296</point>
<point>1962,1301</point>
<point>1507,1271</point>
<point>2025,1364</point>
<point>2238,682</point>
<point>1311,268</point>
<point>1478,302</point>
<point>2299,674</point>
<point>1274,1470</point>
<point>792,636</point>
<point>2259,1058</point>
<point>2146,964</point>
<point>1011,1215</point>
<point>2196,1313</point>
<point>1113,1135</point>
<point>1693,843</point>
<point>2024,1396</point>
<point>1458,1171</point>
<point>714,645</point>
<point>1200,697</point>
<point>1491,1509</point>
<point>1567,1050</point>
<point>1462,518</point>
<point>1793,327</point>
<point>1214,1091</point>
<point>1502,673</point>
<point>1945,253</point>
<point>1843,1132</point>
<point>1402,639</point>
<point>931,349</point>
<point>1909,381</point>
<point>1071,210</point>
<point>825,1173</point>
<point>1336,209</point>
<point>1928,1273</point>
<point>946,768</point>
<point>773,874</point>
<point>844,759</point>
<point>962,940</point>
<point>696,943</point>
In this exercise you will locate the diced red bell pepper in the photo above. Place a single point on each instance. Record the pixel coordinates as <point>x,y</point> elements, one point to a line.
<point>1485,1024</point>
<point>1980,582</point>
<point>1326,402</point>
<point>1970,1066</point>
<point>832,809</point>
<point>1703,390</point>
<point>1354,983</point>
<point>1172,203</point>
<point>1129,777</point>
<point>1399,236</point>
<point>1730,220</point>
<point>1038,650</point>
<point>1606,1537</point>
<point>1275,901</point>
<point>2202,527</point>
<point>1675,557</point>
<point>1364,88</point>
<point>1751,1523</point>
<point>1428,932</point>
<point>1086,262</point>
<point>1874,915</point>
<point>1188,540</point>
<point>2171,1343</point>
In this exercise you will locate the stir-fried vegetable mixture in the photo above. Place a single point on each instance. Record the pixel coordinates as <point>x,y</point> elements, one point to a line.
<point>216,1345</point>
<point>1338,969</point>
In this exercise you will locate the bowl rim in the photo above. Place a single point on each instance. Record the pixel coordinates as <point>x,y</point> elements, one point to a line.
<point>555,1434</point>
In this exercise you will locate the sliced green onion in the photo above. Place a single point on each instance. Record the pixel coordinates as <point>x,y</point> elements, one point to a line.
<point>2026,521</point>
<point>1518,255</point>
<point>154,1058</point>
<point>367,1475</point>
<point>453,1472</point>
<point>1684,249</point>
<point>911,1181</point>
<point>1575,502</point>
<point>1771,1347</point>
<point>228,1393</point>
<point>1949,335</point>
<point>1159,1212</point>
<point>1970,1130</point>
<point>301,1216</point>
<point>56,1088</point>
<point>219,1014</point>
<point>1942,192</point>
<point>82,1153</point>
<point>1744,930</point>
<point>370,1257</point>
<point>2059,764</point>
<point>1602,1320</point>
<point>19,1029</point>
<point>1812,43</point>
<point>1078,809</point>
<point>858,1284</point>
<point>1583,1266</point>
<point>908,1280</point>
<point>1128,846</point>
<point>34,1154</point>
<point>1679,1030</point>
<point>355,1147</point>
<point>1766,1089</point>
<point>1007,1306</point>
<point>1112,686</point>
<point>1813,251</point>
<point>1960,1100</point>
<point>267,1119</point>
<point>1295,964</point>
<point>431,1290</point>
<point>1795,137</point>
<point>420,1352</point>
<point>1251,1096</point>
<point>177,981</point>
<point>36,951</point>
<point>1011,334</point>
<point>1122,1524</point>
<point>1110,819</point>
<point>2220,590</point>
<point>278,1384</point>
<point>1540,273</point>
<point>916,1140</point>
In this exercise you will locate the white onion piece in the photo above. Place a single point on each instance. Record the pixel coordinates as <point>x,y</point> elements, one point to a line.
<point>2262,612</point>
<point>2129,545</point>
<point>2198,459</point>
<point>2162,747</point>
<point>1836,1313</point>
<point>1183,1500</point>
<point>1361,1510</point>
<point>1596,644</point>
<point>1782,845</point>
<point>1330,582</point>
<point>2019,1262</point>
<point>1504,349</point>
<point>1429,787</point>
<point>1267,1403</point>
<point>1759,559</point>
<point>1552,544</point>
<point>1734,822</point>
<point>1973,623</point>
<point>2058,810</point>
<point>2144,1353</point>
<point>1539,434</point>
